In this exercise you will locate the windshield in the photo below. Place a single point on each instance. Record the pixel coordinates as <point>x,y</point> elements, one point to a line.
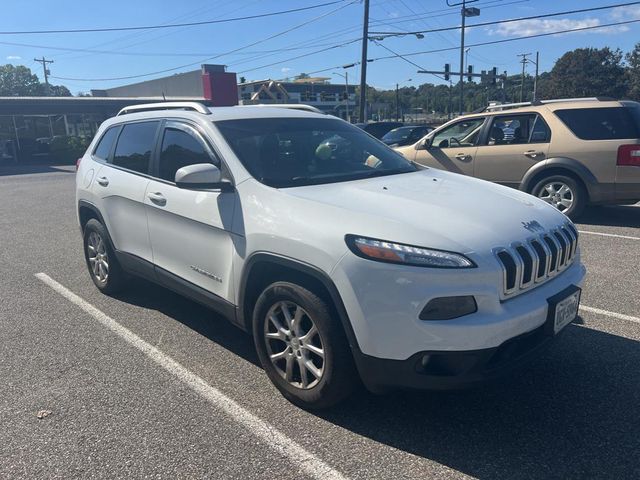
<point>398,134</point>
<point>286,152</point>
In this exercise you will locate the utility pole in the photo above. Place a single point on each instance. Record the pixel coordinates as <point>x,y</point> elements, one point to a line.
<point>524,63</point>
<point>363,64</point>
<point>44,62</point>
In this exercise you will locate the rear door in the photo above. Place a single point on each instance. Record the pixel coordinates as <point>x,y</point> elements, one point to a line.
<point>511,145</point>
<point>454,147</point>
<point>121,185</point>
<point>190,230</point>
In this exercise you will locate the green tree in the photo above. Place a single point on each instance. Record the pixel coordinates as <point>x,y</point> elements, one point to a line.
<point>633,73</point>
<point>17,80</point>
<point>586,72</point>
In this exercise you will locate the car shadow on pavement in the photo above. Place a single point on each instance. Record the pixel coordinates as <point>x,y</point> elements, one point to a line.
<point>573,413</point>
<point>18,169</point>
<point>202,320</point>
<point>612,216</point>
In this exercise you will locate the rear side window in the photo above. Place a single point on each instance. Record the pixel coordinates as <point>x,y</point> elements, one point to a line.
<point>611,123</point>
<point>135,143</point>
<point>106,142</point>
<point>180,149</point>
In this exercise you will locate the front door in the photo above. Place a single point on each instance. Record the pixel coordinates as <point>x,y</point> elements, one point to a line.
<point>513,144</point>
<point>454,147</point>
<point>190,230</point>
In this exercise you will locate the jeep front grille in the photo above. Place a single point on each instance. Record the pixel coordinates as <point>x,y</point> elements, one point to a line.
<point>530,263</point>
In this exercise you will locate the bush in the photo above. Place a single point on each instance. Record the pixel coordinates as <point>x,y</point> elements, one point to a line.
<point>68,149</point>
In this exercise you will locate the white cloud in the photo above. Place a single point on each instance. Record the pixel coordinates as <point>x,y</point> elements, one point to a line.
<point>629,12</point>
<point>538,26</point>
<point>285,69</point>
<point>393,15</point>
<point>14,57</point>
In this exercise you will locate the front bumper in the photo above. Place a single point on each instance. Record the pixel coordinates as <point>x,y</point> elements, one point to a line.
<point>440,370</point>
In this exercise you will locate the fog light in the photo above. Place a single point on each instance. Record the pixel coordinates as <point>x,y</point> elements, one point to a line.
<point>447,308</point>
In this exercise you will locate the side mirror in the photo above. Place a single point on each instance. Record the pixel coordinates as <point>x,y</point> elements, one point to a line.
<point>201,176</point>
<point>425,144</point>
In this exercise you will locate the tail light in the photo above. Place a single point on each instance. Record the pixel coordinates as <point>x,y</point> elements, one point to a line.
<point>78,163</point>
<point>629,155</point>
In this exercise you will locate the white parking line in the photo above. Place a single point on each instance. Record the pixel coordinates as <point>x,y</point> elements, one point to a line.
<point>609,235</point>
<point>620,316</point>
<point>297,455</point>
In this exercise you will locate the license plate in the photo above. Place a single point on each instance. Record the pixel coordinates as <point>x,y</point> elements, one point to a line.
<point>563,310</point>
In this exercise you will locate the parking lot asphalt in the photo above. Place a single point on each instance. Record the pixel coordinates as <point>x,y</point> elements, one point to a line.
<point>119,408</point>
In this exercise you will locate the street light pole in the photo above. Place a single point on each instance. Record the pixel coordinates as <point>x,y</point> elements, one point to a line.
<point>346,87</point>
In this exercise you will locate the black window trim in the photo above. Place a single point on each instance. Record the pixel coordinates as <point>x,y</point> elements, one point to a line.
<point>153,147</point>
<point>487,128</point>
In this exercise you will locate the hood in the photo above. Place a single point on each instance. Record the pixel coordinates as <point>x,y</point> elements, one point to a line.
<point>433,208</point>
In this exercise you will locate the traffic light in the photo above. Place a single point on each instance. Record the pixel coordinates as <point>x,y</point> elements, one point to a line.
<point>494,75</point>
<point>447,69</point>
<point>470,73</point>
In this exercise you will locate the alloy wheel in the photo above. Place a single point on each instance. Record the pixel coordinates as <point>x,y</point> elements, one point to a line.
<point>557,194</point>
<point>294,345</point>
<point>98,257</point>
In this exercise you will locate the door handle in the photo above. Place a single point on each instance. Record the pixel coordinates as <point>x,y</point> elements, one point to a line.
<point>157,198</point>
<point>102,181</point>
<point>463,157</point>
<point>533,153</point>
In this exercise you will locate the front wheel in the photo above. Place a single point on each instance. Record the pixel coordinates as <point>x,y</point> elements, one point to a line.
<point>103,266</point>
<point>302,346</point>
<point>562,192</point>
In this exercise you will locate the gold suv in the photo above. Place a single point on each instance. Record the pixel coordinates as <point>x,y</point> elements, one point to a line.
<point>570,153</point>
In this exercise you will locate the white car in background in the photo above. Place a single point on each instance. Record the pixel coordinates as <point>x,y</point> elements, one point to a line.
<point>340,257</point>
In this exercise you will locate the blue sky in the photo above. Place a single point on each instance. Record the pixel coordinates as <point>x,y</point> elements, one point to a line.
<point>140,52</point>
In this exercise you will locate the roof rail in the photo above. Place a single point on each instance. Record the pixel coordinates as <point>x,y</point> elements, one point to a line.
<point>292,106</point>
<point>149,107</point>
<point>505,106</point>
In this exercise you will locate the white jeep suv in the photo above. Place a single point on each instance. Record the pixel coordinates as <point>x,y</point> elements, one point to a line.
<point>342,259</point>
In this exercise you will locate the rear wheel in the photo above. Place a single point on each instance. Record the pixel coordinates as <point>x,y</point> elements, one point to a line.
<point>564,193</point>
<point>103,266</point>
<point>302,347</point>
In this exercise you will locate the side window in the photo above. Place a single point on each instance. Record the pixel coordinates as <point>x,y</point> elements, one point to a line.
<point>461,134</point>
<point>134,147</point>
<point>541,133</point>
<point>103,148</point>
<point>180,149</point>
<point>608,123</point>
<point>518,129</point>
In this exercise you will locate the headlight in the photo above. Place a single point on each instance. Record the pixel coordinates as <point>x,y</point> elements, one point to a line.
<point>392,252</point>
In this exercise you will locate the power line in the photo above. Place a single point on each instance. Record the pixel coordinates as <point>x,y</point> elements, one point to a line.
<point>505,40</point>
<point>398,55</point>
<point>510,20</point>
<point>128,77</point>
<point>300,56</point>
<point>170,25</point>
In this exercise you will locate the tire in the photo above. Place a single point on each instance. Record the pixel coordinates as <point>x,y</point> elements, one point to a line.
<point>337,377</point>
<point>104,269</point>
<point>563,192</point>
